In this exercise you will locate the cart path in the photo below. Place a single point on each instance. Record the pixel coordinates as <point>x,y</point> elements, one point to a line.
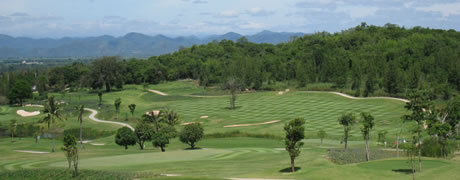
<point>93,114</point>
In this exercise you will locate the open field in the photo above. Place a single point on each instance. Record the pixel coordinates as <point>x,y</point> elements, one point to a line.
<point>229,157</point>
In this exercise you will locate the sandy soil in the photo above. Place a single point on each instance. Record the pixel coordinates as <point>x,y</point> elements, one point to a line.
<point>33,152</point>
<point>23,113</point>
<point>204,117</point>
<point>158,92</point>
<point>255,124</point>
<point>155,112</point>
<point>170,175</point>
<point>93,114</point>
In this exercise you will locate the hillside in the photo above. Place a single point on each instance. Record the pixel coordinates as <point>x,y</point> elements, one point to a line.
<point>130,45</point>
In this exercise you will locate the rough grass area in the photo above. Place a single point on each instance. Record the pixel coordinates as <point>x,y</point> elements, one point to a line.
<point>45,174</point>
<point>351,156</point>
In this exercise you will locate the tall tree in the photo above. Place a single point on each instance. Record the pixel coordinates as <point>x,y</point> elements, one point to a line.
<point>322,134</point>
<point>419,104</point>
<point>234,86</point>
<point>21,90</point>
<point>53,112</point>
<point>99,94</point>
<point>125,137</point>
<point>12,128</point>
<point>191,134</point>
<point>144,132</point>
<point>295,132</point>
<point>71,152</point>
<point>346,120</point>
<point>117,104</point>
<point>80,110</point>
<point>132,107</point>
<point>368,124</point>
<point>106,71</point>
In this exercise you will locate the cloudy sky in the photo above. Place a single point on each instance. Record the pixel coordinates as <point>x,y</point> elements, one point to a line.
<point>79,18</point>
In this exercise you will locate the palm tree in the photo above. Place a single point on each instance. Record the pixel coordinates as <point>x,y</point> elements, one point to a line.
<point>170,117</point>
<point>80,109</point>
<point>53,111</point>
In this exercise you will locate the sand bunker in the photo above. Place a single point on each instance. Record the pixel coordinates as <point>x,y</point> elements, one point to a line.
<point>33,152</point>
<point>158,92</point>
<point>204,117</point>
<point>187,123</point>
<point>27,114</point>
<point>155,112</point>
<point>255,124</point>
<point>280,93</point>
<point>33,105</point>
<point>171,175</point>
<point>97,144</point>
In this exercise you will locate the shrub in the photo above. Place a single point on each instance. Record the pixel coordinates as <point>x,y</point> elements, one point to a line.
<point>88,133</point>
<point>432,148</point>
<point>350,156</point>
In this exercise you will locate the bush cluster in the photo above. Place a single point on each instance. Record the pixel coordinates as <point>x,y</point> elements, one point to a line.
<point>350,156</point>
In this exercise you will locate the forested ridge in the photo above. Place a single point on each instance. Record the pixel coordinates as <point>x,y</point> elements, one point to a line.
<point>363,61</point>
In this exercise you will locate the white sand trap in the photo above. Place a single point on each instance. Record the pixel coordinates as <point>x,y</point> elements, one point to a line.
<point>170,175</point>
<point>254,179</point>
<point>155,112</point>
<point>85,141</point>
<point>287,90</point>
<point>352,97</point>
<point>27,114</point>
<point>187,123</point>
<point>255,124</point>
<point>158,92</point>
<point>33,105</point>
<point>33,152</point>
<point>204,117</point>
<point>97,144</point>
<point>280,93</point>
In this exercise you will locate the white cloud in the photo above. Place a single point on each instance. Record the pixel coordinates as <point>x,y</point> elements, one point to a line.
<point>228,14</point>
<point>259,12</point>
<point>445,10</point>
<point>251,25</point>
<point>358,11</point>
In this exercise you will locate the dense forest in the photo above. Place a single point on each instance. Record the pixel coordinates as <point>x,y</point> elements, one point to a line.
<point>364,61</point>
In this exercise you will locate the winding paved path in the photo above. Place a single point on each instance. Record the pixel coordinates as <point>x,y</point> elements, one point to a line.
<point>158,92</point>
<point>93,114</point>
<point>352,97</point>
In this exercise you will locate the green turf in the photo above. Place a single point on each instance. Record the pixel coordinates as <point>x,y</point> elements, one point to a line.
<point>220,158</point>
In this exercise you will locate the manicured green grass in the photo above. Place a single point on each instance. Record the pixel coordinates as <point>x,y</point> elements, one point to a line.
<point>228,157</point>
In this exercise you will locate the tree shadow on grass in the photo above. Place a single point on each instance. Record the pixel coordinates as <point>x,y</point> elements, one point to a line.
<point>404,171</point>
<point>190,149</point>
<point>288,170</point>
<point>229,108</point>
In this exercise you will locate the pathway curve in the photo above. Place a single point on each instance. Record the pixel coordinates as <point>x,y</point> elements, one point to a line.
<point>92,116</point>
<point>352,97</point>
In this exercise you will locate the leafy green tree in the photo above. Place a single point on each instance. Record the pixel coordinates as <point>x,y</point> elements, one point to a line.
<point>162,135</point>
<point>347,121</point>
<point>170,117</point>
<point>295,132</point>
<point>368,124</point>
<point>21,90</point>
<point>322,134</point>
<point>382,137</point>
<point>132,107</point>
<point>144,132</point>
<point>419,104</point>
<point>80,110</point>
<point>99,94</point>
<point>12,128</point>
<point>53,111</point>
<point>412,151</point>
<point>125,137</point>
<point>233,85</point>
<point>191,134</point>
<point>106,71</point>
<point>117,104</point>
<point>71,152</point>
<point>369,85</point>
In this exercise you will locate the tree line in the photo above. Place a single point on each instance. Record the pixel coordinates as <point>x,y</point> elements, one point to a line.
<point>365,60</point>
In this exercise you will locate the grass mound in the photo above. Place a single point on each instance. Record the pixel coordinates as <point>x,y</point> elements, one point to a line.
<point>350,156</point>
<point>40,174</point>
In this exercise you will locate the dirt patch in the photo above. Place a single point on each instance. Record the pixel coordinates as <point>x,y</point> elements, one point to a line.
<point>254,124</point>
<point>158,92</point>
<point>97,144</point>
<point>155,112</point>
<point>33,152</point>
<point>23,113</point>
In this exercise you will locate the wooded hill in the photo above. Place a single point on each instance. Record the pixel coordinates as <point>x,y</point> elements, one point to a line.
<point>364,60</point>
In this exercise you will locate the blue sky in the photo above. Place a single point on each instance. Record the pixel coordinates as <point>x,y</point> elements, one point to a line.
<point>79,18</point>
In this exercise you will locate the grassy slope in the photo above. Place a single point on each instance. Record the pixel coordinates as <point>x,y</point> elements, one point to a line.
<point>228,157</point>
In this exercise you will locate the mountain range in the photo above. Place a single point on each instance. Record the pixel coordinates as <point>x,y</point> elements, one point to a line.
<point>129,45</point>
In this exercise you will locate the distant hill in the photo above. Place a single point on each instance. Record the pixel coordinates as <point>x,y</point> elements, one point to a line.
<point>130,45</point>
